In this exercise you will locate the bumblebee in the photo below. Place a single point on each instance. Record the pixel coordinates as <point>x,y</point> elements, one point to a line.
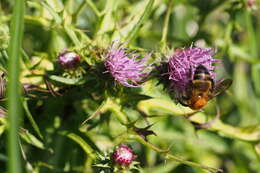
<point>201,89</point>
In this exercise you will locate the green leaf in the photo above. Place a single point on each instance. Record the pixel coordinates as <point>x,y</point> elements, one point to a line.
<point>86,147</point>
<point>2,125</point>
<point>257,149</point>
<point>31,139</point>
<point>56,5</point>
<point>163,167</point>
<point>108,22</point>
<point>93,7</point>
<point>159,106</point>
<point>32,121</point>
<point>77,81</point>
<point>54,14</point>
<point>3,157</point>
<point>143,17</point>
<point>72,35</point>
<point>256,78</point>
<point>250,133</point>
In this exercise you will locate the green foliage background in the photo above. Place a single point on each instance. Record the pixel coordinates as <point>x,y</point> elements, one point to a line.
<point>52,135</point>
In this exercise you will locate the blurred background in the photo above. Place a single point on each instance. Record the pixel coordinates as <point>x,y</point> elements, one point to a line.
<point>52,136</point>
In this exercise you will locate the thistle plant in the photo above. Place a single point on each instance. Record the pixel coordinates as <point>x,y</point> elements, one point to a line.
<point>118,99</point>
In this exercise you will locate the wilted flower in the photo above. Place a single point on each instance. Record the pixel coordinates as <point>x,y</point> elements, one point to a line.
<point>125,66</point>
<point>123,155</point>
<point>68,59</point>
<point>183,63</point>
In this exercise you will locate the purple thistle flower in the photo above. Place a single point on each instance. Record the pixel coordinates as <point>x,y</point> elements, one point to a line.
<point>125,66</point>
<point>183,63</point>
<point>68,59</point>
<point>123,155</point>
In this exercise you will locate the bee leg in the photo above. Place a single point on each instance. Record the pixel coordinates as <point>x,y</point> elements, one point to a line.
<point>210,123</point>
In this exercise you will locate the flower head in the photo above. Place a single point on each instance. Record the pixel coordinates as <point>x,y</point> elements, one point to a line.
<point>123,155</point>
<point>183,63</point>
<point>68,59</point>
<point>125,66</point>
<point>250,3</point>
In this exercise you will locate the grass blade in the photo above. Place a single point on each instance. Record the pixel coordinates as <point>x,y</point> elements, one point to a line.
<point>138,25</point>
<point>166,25</point>
<point>14,105</point>
<point>31,119</point>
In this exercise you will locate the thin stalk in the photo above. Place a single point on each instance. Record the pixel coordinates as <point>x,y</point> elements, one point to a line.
<point>133,33</point>
<point>173,157</point>
<point>93,7</point>
<point>117,111</point>
<point>31,119</point>
<point>79,9</point>
<point>13,89</point>
<point>166,25</point>
<point>251,35</point>
<point>109,105</point>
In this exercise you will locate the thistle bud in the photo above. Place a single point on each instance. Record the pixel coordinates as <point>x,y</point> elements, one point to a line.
<point>123,155</point>
<point>68,59</point>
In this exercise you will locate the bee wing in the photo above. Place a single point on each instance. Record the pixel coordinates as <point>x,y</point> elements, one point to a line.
<point>221,87</point>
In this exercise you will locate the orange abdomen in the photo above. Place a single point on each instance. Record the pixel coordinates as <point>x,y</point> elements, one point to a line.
<point>200,103</point>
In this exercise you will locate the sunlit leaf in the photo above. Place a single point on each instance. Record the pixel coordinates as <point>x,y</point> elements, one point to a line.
<point>67,81</point>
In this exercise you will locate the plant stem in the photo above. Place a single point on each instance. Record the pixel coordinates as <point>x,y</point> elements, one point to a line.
<point>13,89</point>
<point>173,157</point>
<point>165,106</point>
<point>116,109</point>
<point>93,7</point>
<point>79,9</point>
<point>166,25</point>
<point>133,33</point>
